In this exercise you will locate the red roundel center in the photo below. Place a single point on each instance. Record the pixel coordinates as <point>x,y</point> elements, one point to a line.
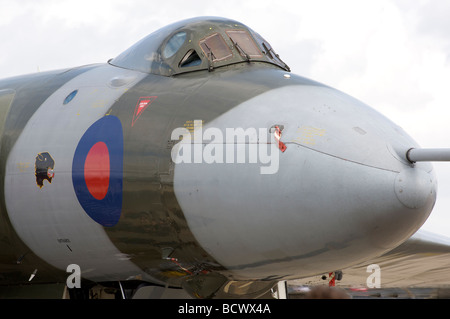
<point>97,170</point>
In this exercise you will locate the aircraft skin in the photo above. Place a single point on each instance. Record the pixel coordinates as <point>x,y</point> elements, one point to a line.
<point>89,176</point>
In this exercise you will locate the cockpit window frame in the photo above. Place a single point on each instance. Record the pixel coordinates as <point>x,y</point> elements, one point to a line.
<point>150,55</point>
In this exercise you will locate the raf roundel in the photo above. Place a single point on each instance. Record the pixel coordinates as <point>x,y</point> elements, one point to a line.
<point>97,171</point>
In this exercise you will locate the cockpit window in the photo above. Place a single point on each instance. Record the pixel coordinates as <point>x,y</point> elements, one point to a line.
<point>270,53</point>
<point>215,48</point>
<point>244,43</point>
<point>191,58</point>
<point>174,44</point>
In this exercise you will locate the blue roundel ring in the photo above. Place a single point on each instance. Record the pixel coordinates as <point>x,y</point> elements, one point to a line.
<point>97,171</point>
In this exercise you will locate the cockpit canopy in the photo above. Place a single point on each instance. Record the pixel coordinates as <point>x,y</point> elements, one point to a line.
<point>197,44</point>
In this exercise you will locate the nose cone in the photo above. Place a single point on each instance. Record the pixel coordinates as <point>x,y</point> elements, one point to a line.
<point>339,194</point>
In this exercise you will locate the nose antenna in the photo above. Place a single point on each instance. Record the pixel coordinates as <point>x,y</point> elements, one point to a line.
<point>414,155</point>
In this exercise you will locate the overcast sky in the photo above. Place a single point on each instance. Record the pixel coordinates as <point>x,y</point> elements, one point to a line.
<point>392,54</point>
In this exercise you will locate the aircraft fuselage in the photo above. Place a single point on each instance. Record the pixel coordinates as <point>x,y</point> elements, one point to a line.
<point>93,173</point>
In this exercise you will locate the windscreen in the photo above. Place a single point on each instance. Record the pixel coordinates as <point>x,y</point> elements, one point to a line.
<point>215,47</point>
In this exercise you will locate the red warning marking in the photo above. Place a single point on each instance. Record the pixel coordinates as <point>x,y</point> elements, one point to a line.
<point>97,170</point>
<point>141,105</point>
<point>277,134</point>
<point>332,282</point>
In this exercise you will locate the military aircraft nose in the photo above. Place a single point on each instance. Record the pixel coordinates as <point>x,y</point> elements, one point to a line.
<point>335,191</point>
